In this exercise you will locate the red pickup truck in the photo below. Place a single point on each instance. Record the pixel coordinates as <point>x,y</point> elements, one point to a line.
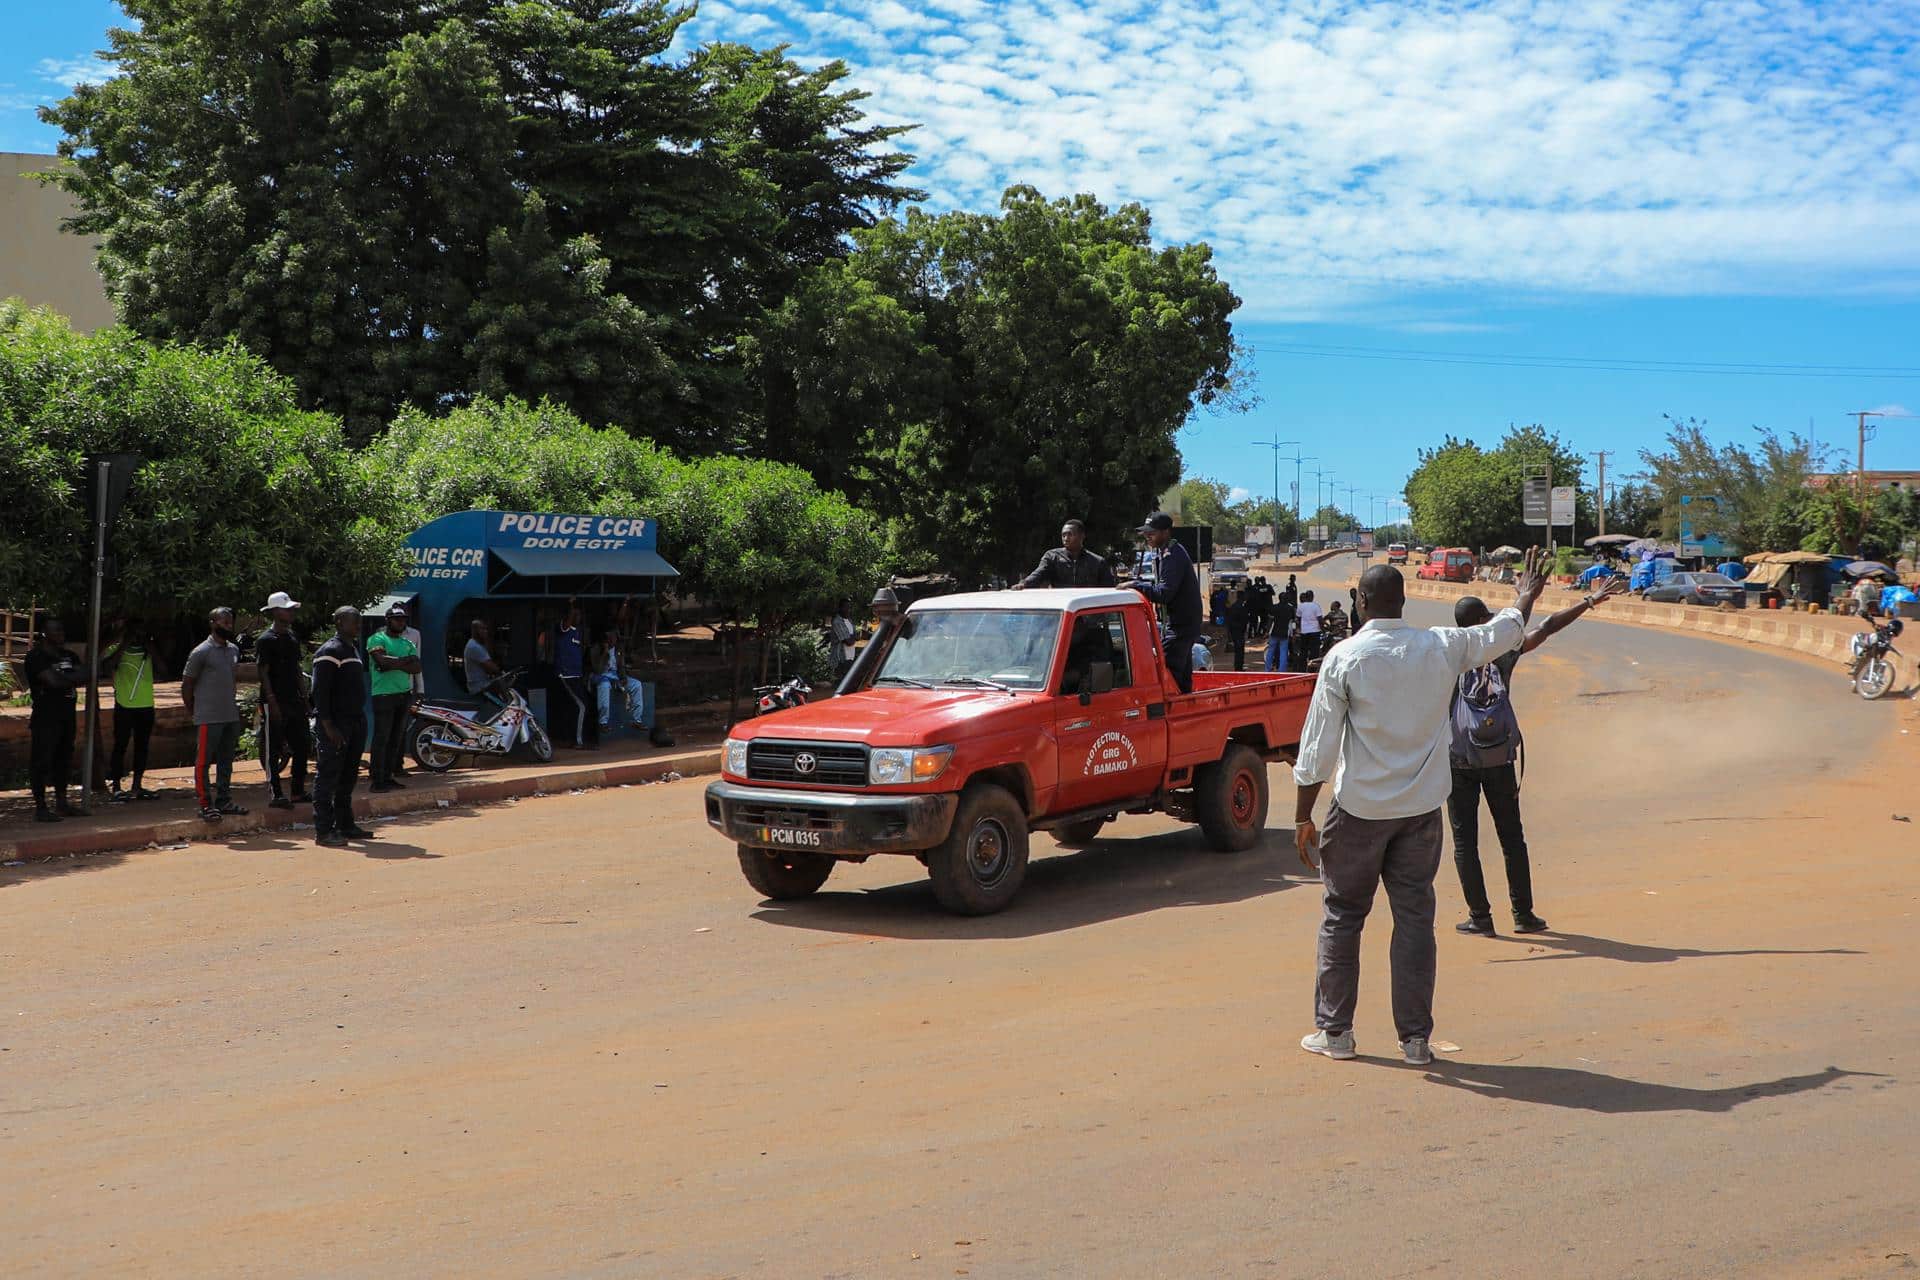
<point>982,718</point>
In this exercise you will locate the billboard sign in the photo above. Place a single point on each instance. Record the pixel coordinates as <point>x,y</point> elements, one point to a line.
<point>1561,504</point>
<point>1535,500</point>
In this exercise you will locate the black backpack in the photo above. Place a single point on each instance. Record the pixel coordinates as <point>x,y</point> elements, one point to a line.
<point>1486,733</point>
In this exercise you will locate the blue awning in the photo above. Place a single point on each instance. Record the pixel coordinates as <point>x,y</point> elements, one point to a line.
<point>537,563</point>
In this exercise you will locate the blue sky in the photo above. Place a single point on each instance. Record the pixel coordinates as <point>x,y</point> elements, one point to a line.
<point>1443,217</point>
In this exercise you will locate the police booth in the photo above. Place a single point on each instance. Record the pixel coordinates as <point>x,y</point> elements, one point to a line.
<point>519,571</point>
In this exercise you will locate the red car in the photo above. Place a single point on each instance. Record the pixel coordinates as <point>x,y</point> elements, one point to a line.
<point>1448,564</point>
<point>982,718</point>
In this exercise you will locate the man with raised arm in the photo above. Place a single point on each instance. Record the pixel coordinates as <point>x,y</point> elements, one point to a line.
<point>1379,728</point>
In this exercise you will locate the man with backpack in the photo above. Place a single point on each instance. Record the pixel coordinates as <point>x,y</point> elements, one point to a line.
<point>1487,755</point>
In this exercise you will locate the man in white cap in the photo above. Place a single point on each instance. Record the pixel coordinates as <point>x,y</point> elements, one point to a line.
<point>284,736</point>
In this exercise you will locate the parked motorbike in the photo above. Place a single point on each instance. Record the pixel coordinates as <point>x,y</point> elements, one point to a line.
<point>1872,667</point>
<point>781,697</point>
<point>441,732</point>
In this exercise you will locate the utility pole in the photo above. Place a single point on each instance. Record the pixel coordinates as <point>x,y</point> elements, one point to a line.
<point>1277,446</point>
<point>1602,454</point>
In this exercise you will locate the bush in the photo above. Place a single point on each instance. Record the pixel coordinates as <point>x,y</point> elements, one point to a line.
<point>239,492</point>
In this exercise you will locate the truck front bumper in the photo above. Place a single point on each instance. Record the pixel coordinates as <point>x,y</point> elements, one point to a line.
<point>829,822</point>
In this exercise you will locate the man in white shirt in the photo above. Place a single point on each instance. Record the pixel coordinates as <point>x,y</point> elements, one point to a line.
<point>1307,616</point>
<point>843,635</point>
<point>1379,727</point>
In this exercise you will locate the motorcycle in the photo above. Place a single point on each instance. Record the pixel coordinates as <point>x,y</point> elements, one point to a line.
<point>1872,673</point>
<point>781,697</point>
<point>441,732</point>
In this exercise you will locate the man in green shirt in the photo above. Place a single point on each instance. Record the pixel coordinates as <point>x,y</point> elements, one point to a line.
<point>131,664</point>
<point>393,660</point>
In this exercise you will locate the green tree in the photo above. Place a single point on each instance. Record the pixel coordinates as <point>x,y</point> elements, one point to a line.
<point>1463,495</point>
<point>1054,355</point>
<point>1762,491</point>
<point>239,492</point>
<point>383,199</point>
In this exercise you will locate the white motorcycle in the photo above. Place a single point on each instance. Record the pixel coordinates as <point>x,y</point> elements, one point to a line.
<point>442,732</point>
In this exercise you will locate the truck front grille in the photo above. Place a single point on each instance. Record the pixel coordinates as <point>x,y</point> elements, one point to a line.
<point>835,764</point>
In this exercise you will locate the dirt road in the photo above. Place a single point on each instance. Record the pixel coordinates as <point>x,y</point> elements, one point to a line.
<point>562,1037</point>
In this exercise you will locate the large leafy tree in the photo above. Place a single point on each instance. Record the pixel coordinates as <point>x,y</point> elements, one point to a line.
<point>398,202</point>
<point>239,492</point>
<point>1036,364</point>
<point>1463,495</point>
<point>1761,491</point>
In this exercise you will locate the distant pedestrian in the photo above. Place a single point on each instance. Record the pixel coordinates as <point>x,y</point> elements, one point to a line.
<point>1485,752</point>
<point>841,635</point>
<point>392,660</point>
<point>1866,596</point>
<point>1378,725</point>
<point>1070,564</point>
<point>412,633</point>
<point>1333,628</point>
<point>53,674</point>
<point>1175,587</point>
<point>207,686</point>
<point>1307,617</point>
<point>1282,635</point>
<point>340,709</point>
<point>285,740</point>
<point>1239,615</point>
<point>478,665</point>
<point>611,677</point>
<point>571,716</point>
<point>1292,591</point>
<point>133,665</point>
<point>1203,654</point>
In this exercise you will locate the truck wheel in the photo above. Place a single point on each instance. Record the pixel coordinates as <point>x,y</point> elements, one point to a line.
<point>1078,835</point>
<point>780,875</point>
<point>1230,799</point>
<point>978,868</point>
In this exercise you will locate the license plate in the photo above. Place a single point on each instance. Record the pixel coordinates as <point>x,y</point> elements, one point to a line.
<point>790,837</point>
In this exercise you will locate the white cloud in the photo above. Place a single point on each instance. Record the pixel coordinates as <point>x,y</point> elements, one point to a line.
<point>1238,494</point>
<point>1337,151</point>
<point>74,71</point>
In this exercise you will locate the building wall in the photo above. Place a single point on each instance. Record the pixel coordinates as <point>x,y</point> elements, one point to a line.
<point>1875,480</point>
<point>38,261</point>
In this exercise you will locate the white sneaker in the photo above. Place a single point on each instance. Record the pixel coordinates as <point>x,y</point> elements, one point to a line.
<point>1338,1047</point>
<point>1417,1052</point>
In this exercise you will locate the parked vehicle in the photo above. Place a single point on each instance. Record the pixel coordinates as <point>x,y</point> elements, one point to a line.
<point>769,698</point>
<point>440,732</point>
<point>1448,564</point>
<point>987,717</point>
<point>1396,553</point>
<point>1296,549</point>
<point>1698,588</point>
<point>1872,673</point>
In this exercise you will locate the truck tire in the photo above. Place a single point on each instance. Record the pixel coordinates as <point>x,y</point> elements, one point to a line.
<point>981,864</point>
<point>782,875</point>
<point>1230,799</point>
<point>1078,835</point>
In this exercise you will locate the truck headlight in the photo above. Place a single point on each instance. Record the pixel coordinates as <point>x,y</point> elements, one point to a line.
<point>735,762</point>
<point>898,766</point>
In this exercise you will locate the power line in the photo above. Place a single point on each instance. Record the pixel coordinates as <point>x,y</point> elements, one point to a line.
<point>1586,364</point>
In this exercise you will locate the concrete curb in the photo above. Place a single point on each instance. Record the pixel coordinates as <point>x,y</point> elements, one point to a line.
<point>1791,632</point>
<point>418,797</point>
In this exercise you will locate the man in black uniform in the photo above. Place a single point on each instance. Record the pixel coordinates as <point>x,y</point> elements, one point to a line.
<point>286,737</point>
<point>53,673</point>
<point>1175,587</point>
<point>340,707</point>
<point>1070,564</point>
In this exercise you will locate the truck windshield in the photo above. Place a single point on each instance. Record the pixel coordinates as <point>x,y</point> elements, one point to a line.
<point>1223,564</point>
<point>967,646</point>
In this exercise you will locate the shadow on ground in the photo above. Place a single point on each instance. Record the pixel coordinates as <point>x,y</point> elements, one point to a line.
<point>1579,1090</point>
<point>1579,946</point>
<point>1108,880</point>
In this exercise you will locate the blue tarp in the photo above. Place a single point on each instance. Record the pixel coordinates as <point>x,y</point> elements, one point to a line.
<point>1591,572</point>
<point>1893,597</point>
<point>1733,569</point>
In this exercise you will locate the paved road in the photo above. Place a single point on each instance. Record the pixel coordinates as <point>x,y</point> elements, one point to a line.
<point>562,1037</point>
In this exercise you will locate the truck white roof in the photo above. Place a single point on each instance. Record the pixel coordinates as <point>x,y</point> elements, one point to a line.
<point>1066,599</point>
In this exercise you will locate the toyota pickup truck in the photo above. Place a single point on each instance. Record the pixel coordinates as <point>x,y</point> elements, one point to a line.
<point>975,720</point>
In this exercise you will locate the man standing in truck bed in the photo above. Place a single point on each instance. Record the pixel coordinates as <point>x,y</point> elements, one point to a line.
<point>1379,727</point>
<point>1175,587</point>
<point>1070,564</point>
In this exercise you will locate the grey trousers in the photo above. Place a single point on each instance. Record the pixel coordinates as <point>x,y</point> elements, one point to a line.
<point>1356,856</point>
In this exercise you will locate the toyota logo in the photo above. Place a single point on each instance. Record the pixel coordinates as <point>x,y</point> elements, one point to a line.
<point>805,763</point>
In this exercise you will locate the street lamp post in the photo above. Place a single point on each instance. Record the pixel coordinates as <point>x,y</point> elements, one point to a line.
<point>1277,446</point>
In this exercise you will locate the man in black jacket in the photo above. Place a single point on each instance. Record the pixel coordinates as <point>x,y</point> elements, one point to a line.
<point>340,708</point>
<point>1175,587</point>
<point>1070,564</point>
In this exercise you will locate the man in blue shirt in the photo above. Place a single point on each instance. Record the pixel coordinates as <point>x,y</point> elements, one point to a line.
<point>570,666</point>
<point>1175,587</point>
